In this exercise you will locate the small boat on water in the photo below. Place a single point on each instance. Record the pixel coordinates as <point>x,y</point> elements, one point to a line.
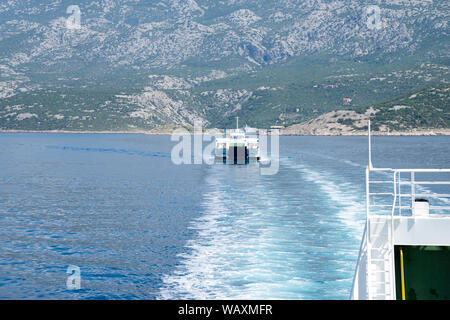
<point>405,248</point>
<point>239,146</point>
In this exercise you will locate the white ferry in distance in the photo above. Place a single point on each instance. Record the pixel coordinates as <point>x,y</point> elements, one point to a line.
<point>405,248</point>
<point>239,146</point>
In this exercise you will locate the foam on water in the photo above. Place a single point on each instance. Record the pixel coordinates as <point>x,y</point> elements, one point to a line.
<point>342,195</point>
<point>234,256</point>
<point>266,245</point>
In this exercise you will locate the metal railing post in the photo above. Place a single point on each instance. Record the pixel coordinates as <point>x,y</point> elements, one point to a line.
<point>368,269</point>
<point>413,192</point>
<point>399,192</point>
<point>392,242</point>
<point>367,193</point>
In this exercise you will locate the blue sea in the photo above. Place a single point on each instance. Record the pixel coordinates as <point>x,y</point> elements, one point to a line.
<point>140,227</point>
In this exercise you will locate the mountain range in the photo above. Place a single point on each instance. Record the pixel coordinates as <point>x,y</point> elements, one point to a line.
<point>135,65</point>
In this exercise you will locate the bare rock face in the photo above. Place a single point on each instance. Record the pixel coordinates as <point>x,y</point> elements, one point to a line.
<point>171,48</point>
<point>331,123</point>
<point>134,33</point>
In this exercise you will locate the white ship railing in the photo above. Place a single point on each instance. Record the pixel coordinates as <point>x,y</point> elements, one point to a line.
<point>393,195</point>
<point>395,190</point>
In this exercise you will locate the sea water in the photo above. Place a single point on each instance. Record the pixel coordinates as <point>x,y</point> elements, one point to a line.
<point>140,227</point>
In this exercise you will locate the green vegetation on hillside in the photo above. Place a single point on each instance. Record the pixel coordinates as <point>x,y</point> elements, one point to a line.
<point>428,108</point>
<point>297,91</point>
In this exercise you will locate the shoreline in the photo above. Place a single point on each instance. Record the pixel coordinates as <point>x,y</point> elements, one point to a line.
<point>431,132</point>
<point>84,132</point>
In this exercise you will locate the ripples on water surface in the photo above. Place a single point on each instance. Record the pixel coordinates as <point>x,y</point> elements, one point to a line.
<point>140,227</point>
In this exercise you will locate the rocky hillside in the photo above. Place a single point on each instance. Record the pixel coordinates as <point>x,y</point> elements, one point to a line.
<point>133,64</point>
<point>426,112</point>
